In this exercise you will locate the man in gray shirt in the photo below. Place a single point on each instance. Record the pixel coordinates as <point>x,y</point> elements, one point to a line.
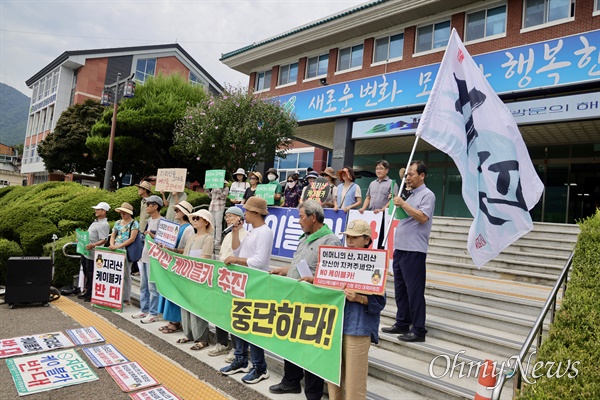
<point>380,190</point>
<point>410,251</point>
<point>316,233</point>
<point>98,231</point>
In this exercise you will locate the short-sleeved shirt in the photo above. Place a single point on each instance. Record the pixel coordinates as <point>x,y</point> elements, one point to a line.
<point>249,193</point>
<point>122,231</point>
<point>205,243</point>
<point>99,229</point>
<point>279,189</point>
<point>256,248</point>
<point>379,193</point>
<point>182,196</point>
<point>410,234</point>
<point>152,226</point>
<point>218,198</point>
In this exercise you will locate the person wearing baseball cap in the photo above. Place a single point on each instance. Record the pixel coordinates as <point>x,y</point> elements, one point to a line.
<point>98,232</point>
<point>144,191</point>
<point>254,252</point>
<point>361,323</point>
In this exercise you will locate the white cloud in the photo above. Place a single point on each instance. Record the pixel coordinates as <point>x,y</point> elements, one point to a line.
<point>34,32</point>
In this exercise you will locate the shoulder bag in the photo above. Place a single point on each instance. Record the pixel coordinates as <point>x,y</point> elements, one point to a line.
<point>135,249</point>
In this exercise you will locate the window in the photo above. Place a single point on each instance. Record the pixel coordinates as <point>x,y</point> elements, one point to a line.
<point>597,6</point>
<point>350,57</point>
<point>35,92</point>
<point>433,36</point>
<point>486,23</point>
<point>388,47</point>
<point>42,88</point>
<point>317,66</point>
<point>48,84</point>
<point>538,12</point>
<point>196,80</point>
<point>145,68</point>
<point>288,74</point>
<point>55,82</point>
<point>295,162</point>
<point>263,80</point>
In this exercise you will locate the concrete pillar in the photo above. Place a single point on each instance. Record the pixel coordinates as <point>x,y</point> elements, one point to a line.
<point>343,146</point>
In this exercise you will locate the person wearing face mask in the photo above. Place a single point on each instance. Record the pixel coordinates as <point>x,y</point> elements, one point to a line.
<point>292,191</point>
<point>272,176</point>
<point>310,179</point>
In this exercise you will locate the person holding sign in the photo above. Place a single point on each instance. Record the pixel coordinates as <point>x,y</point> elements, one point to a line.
<point>272,176</point>
<point>98,232</point>
<point>316,233</point>
<point>254,252</point>
<point>411,242</point>
<point>170,202</point>
<point>218,198</point>
<point>348,192</point>
<point>361,322</point>
<point>292,191</point>
<point>254,178</point>
<point>329,174</point>
<point>124,233</point>
<point>238,186</point>
<point>310,179</point>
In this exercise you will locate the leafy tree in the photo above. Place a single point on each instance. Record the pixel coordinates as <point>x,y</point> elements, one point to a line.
<point>65,149</point>
<point>235,130</point>
<point>145,123</point>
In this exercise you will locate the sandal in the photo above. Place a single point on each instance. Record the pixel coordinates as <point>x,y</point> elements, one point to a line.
<point>199,346</point>
<point>171,330</point>
<point>183,340</point>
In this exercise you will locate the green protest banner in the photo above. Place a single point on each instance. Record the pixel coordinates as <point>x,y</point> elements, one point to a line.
<point>83,239</point>
<point>298,321</point>
<point>236,194</point>
<point>267,192</point>
<point>214,179</point>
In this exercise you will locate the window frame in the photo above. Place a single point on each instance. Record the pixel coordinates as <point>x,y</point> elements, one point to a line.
<point>145,72</point>
<point>433,25</point>
<point>317,76</point>
<point>546,23</point>
<point>350,67</point>
<point>388,59</point>
<point>264,72</point>
<point>289,69</point>
<point>596,8</point>
<point>485,35</point>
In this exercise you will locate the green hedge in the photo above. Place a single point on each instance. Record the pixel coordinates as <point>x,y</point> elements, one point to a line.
<point>35,234</point>
<point>64,267</point>
<point>8,249</point>
<point>575,334</point>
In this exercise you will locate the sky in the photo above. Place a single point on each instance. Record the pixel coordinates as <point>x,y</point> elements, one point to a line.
<point>35,32</point>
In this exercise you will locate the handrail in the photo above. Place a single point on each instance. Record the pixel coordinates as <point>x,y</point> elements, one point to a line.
<point>64,250</point>
<point>536,330</point>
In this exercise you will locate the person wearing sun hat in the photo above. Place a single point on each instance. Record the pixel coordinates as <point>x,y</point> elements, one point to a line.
<point>329,174</point>
<point>272,176</point>
<point>255,179</point>
<point>239,184</point>
<point>124,233</point>
<point>144,191</point>
<point>98,232</point>
<point>253,251</point>
<point>311,177</point>
<point>201,245</point>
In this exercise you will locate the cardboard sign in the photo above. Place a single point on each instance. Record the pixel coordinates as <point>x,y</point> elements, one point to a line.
<point>43,372</point>
<point>214,179</point>
<point>157,393</point>
<point>131,376</point>
<point>87,335</point>
<point>83,239</point>
<point>107,289</point>
<point>171,179</point>
<point>105,356</point>
<point>361,270</point>
<point>267,192</point>
<point>318,190</point>
<point>33,344</point>
<point>236,194</point>
<point>167,233</point>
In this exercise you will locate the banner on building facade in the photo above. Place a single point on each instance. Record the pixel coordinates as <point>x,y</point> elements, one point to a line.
<point>279,314</point>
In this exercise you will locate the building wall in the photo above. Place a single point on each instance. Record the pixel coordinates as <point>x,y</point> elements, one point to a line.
<point>90,80</point>
<point>171,65</point>
<point>583,21</point>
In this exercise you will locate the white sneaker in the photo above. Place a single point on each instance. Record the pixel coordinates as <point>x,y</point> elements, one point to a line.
<point>149,319</point>
<point>139,315</point>
<point>230,357</point>
<point>218,349</point>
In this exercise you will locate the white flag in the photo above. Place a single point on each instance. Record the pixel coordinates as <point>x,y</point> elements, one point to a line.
<point>467,120</point>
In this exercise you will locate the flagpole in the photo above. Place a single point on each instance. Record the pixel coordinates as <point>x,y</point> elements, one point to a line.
<point>389,225</point>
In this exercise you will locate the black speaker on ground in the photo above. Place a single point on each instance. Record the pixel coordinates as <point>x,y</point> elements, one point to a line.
<point>28,280</point>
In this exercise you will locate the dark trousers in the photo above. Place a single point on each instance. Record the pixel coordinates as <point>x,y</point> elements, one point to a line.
<point>88,272</point>
<point>222,337</point>
<point>409,285</point>
<point>293,374</point>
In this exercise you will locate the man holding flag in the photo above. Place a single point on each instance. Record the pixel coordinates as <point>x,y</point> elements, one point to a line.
<point>466,119</point>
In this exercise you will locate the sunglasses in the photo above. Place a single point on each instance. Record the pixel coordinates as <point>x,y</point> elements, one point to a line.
<point>253,179</point>
<point>151,204</point>
<point>196,218</point>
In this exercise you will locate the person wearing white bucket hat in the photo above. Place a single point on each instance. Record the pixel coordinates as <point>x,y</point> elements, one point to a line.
<point>239,185</point>
<point>98,232</point>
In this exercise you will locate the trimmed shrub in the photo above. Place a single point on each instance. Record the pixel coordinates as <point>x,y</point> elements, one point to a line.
<point>575,334</point>
<point>123,195</point>
<point>12,219</point>
<point>67,227</point>
<point>11,194</point>
<point>64,267</point>
<point>53,211</point>
<point>197,199</point>
<point>35,234</point>
<point>80,207</point>
<point>8,249</point>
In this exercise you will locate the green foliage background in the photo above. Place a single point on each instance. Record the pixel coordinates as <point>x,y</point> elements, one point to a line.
<point>29,216</point>
<point>575,333</point>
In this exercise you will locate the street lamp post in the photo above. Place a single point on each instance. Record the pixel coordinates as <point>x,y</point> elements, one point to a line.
<point>128,91</point>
